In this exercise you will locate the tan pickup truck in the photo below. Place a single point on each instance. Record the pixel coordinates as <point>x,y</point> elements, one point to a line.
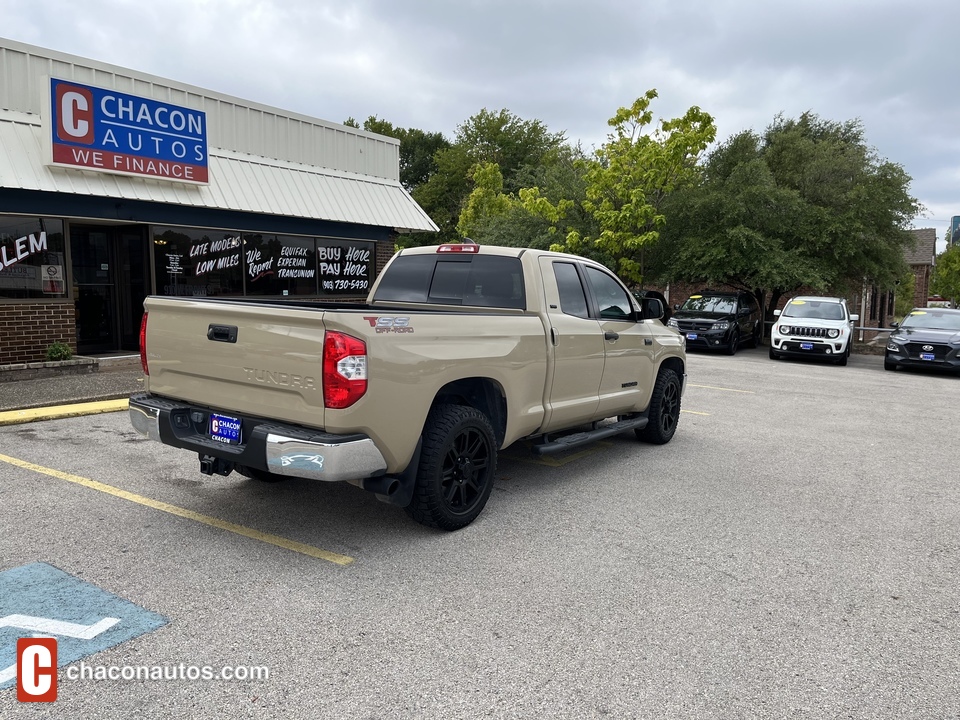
<point>459,352</point>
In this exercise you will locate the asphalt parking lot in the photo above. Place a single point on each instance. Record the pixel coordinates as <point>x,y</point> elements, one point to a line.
<point>793,552</point>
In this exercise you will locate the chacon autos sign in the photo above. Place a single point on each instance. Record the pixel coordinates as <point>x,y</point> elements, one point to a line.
<point>95,128</point>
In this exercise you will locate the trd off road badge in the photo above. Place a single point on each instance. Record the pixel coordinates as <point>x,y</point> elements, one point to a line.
<point>389,324</point>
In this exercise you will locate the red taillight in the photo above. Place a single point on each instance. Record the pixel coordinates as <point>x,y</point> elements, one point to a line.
<point>143,344</point>
<point>456,248</point>
<point>344,370</point>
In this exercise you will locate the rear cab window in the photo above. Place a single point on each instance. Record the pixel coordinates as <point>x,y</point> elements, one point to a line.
<point>476,280</point>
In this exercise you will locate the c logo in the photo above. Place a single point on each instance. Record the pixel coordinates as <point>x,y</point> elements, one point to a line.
<point>74,114</point>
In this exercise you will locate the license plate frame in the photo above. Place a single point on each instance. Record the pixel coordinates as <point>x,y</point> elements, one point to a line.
<point>806,346</point>
<point>692,336</point>
<point>927,356</point>
<point>225,429</point>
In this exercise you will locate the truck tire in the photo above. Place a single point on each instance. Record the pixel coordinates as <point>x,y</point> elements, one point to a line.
<point>731,348</point>
<point>458,462</point>
<point>664,409</point>
<point>842,360</point>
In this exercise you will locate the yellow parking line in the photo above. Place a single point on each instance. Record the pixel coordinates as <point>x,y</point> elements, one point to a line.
<point>713,387</point>
<point>184,513</point>
<point>694,412</point>
<point>14,417</point>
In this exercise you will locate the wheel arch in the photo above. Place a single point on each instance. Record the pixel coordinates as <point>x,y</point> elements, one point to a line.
<point>672,363</point>
<point>482,393</point>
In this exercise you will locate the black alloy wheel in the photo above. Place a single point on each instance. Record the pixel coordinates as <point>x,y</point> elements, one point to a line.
<point>734,342</point>
<point>664,413</point>
<point>458,462</point>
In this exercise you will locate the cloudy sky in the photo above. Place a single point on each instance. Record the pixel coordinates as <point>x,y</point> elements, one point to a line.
<point>431,64</point>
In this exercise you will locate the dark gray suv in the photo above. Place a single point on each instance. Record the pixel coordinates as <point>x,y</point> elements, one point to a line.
<point>714,320</point>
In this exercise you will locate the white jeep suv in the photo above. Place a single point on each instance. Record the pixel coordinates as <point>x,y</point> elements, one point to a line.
<point>810,326</point>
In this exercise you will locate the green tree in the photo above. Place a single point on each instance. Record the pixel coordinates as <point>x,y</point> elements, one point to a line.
<point>808,203</point>
<point>486,199</point>
<point>527,218</point>
<point>734,227</point>
<point>443,194</point>
<point>628,182</point>
<point>946,275</point>
<point>510,142</point>
<point>903,299</point>
<point>418,148</point>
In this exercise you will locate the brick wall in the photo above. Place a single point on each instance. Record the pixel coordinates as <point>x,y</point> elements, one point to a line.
<point>921,284</point>
<point>385,251</point>
<point>28,329</point>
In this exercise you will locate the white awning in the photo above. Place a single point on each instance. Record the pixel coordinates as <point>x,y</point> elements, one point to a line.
<point>239,182</point>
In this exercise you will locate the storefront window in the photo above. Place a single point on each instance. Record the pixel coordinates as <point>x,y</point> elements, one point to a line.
<point>32,258</point>
<point>226,262</point>
<point>345,266</point>
<point>193,261</point>
<point>280,265</point>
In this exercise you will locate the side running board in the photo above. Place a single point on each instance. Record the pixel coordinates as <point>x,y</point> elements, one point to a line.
<point>577,439</point>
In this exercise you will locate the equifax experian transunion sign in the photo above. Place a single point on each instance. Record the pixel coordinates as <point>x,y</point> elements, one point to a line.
<point>95,128</point>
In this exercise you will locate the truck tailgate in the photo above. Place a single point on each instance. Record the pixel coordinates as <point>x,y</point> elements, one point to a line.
<point>238,357</point>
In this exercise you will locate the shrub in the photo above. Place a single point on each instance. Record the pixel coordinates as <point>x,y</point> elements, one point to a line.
<point>59,351</point>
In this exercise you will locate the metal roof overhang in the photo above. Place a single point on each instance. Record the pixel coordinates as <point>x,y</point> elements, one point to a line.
<point>238,182</point>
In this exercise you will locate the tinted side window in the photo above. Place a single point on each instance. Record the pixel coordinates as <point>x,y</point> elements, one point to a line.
<point>572,298</point>
<point>613,301</point>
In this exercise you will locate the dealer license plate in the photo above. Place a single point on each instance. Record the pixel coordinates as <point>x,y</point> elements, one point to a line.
<point>806,346</point>
<point>926,356</point>
<point>691,336</point>
<point>225,429</point>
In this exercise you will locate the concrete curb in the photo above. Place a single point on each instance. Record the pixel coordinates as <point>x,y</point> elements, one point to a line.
<point>17,417</point>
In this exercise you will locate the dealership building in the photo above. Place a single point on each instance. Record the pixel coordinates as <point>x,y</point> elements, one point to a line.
<point>115,185</point>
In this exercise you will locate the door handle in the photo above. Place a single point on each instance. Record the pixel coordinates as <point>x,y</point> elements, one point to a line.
<point>222,333</point>
<point>553,336</point>
<point>611,336</point>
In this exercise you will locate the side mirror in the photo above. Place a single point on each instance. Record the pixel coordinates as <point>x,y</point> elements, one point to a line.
<point>651,309</point>
<point>854,318</point>
<point>894,324</point>
<point>776,313</point>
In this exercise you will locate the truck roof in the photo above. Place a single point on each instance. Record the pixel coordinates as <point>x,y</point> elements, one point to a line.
<point>483,250</point>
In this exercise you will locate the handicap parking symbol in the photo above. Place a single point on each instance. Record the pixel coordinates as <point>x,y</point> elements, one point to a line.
<point>39,600</point>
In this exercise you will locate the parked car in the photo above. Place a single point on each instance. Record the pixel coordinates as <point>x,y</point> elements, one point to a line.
<point>719,321</point>
<point>667,312</point>
<point>927,337</point>
<point>813,326</point>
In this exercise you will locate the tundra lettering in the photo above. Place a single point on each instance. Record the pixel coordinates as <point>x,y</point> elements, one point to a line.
<point>280,378</point>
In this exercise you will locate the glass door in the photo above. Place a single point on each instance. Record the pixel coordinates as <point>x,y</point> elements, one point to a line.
<point>131,254</point>
<point>94,287</point>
